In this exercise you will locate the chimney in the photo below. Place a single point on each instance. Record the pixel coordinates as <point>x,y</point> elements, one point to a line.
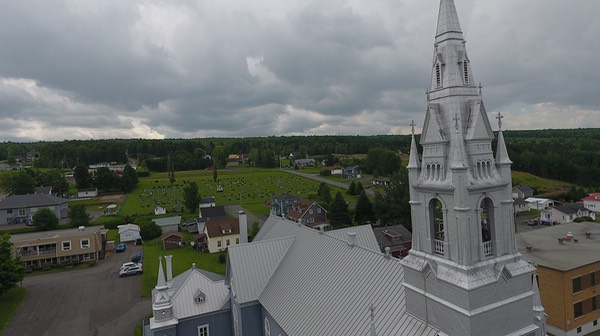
<point>169,267</point>
<point>529,248</point>
<point>243,227</point>
<point>387,252</point>
<point>351,238</point>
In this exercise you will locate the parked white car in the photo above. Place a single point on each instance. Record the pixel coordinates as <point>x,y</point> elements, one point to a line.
<point>131,270</point>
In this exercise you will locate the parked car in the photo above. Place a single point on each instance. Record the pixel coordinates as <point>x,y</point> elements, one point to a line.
<point>137,257</point>
<point>128,265</point>
<point>131,270</point>
<point>121,247</point>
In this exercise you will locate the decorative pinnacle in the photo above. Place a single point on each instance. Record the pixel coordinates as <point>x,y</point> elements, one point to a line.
<point>499,117</point>
<point>372,309</point>
<point>412,126</point>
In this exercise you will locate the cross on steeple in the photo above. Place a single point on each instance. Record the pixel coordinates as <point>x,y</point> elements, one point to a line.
<point>412,127</point>
<point>499,117</point>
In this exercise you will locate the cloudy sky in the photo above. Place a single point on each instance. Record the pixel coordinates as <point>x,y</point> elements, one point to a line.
<point>72,69</point>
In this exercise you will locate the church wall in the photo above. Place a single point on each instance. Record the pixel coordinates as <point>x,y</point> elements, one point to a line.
<point>276,330</point>
<point>252,320</point>
<point>219,323</point>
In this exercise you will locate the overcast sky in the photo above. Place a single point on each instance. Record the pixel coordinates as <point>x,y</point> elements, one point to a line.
<point>93,69</point>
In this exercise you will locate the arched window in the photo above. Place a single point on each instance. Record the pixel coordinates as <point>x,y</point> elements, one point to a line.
<point>487,225</point>
<point>436,216</point>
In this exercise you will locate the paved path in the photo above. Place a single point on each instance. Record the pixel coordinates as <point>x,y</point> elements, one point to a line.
<point>92,301</point>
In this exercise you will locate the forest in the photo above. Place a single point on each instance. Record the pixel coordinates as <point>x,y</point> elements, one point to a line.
<point>570,155</point>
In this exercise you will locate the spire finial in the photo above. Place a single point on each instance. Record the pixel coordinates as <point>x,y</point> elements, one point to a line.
<point>480,87</point>
<point>412,127</point>
<point>372,309</point>
<point>499,117</point>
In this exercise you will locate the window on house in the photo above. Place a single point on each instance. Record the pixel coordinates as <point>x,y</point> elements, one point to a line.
<point>203,330</point>
<point>594,303</point>
<point>577,309</point>
<point>578,330</point>
<point>66,245</point>
<point>218,243</point>
<point>9,212</point>
<point>318,210</point>
<point>21,212</point>
<point>85,243</point>
<point>237,241</point>
<point>310,212</point>
<point>595,323</point>
<point>576,284</point>
<point>227,242</point>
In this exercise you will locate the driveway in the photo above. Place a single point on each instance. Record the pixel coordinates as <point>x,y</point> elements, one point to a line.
<point>92,301</point>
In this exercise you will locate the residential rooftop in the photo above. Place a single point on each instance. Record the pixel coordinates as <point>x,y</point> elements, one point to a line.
<point>55,234</point>
<point>548,252</point>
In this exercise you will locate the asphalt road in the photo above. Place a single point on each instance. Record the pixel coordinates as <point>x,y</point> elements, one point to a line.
<point>93,301</point>
<point>318,178</point>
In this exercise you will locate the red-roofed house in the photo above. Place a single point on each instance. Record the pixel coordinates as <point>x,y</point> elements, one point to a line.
<point>592,202</point>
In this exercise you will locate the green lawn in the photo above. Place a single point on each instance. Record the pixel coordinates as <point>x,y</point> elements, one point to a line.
<point>182,260</point>
<point>9,303</point>
<point>544,186</point>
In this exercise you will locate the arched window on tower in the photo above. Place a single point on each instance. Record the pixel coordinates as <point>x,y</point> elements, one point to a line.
<point>436,217</point>
<point>487,226</point>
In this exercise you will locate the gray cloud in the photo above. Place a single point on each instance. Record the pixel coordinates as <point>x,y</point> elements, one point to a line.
<point>112,69</point>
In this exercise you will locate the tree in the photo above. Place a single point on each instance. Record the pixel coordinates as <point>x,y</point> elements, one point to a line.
<point>129,179</point>
<point>324,194</point>
<point>11,269</point>
<point>215,173</point>
<point>45,219</point>
<point>78,216</point>
<point>191,196</point>
<point>149,230</point>
<point>53,178</point>
<point>382,161</point>
<point>363,212</point>
<point>338,212</point>
<point>219,155</point>
<point>18,183</point>
<point>359,188</point>
<point>253,230</point>
<point>82,177</point>
<point>104,179</point>
<point>351,189</point>
<point>394,207</point>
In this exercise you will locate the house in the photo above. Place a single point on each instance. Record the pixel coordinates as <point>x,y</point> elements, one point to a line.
<point>351,172</point>
<point>333,170</point>
<point>129,232</point>
<point>300,163</point>
<point>171,240</point>
<point>208,202</point>
<point>522,192</point>
<point>568,271</point>
<point>519,205</point>
<point>381,181</point>
<point>396,237</point>
<point>225,232</point>
<point>9,166</point>
<point>87,192</point>
<point>168,224</point>
<point>592,202</point>
<point>160,210</point>
<point>535,203</point>
<point>43,249</point>
<point>281,205</point>
<point>308,213</point>
<point>20,208</point>
<point>562,214</point>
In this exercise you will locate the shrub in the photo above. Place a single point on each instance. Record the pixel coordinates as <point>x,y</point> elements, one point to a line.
<point>325,172</point>
<point>223,258</point>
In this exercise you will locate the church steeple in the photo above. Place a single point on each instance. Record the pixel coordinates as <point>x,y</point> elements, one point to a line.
<point>463,247</point>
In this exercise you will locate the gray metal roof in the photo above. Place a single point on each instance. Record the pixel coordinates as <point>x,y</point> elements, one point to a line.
<point>167,221</point>
<point>54,234</point>
<point>331,284</point>
<point>183,288</point>
<point>29,201</point>
<point>547,252</point>
<point>254,264</point>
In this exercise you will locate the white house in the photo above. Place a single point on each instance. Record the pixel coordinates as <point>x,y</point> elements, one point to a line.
<point>592,202</point>
<point>539,203</point>
<point>88,192</point>
<point>160,210</point>
<point>129,232</point>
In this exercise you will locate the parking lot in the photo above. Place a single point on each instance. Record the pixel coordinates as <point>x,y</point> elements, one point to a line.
<point>92,301</point>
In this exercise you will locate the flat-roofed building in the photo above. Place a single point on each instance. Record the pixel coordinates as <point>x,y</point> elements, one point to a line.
<point>41,249</point>
<point>567,257</point>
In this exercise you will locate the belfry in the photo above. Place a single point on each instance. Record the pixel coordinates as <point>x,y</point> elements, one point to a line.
<point>464,274</point>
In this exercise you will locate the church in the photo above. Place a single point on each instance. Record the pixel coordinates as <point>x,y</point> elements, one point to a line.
<point>463,276</point>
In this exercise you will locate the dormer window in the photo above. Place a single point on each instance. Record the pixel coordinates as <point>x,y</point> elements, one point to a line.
<point>226,231</point>
<point>199,296</point>
<point>438,75</point>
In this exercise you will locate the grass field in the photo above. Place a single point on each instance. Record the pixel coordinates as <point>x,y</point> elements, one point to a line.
<point>182,260</point>
<point>9,303</point>
<point>545,187</point>
<point>251,188</point>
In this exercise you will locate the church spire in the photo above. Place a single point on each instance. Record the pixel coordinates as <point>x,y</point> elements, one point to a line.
<point>413,161</point>
<point>448,26</point>
<point>501,152</point>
